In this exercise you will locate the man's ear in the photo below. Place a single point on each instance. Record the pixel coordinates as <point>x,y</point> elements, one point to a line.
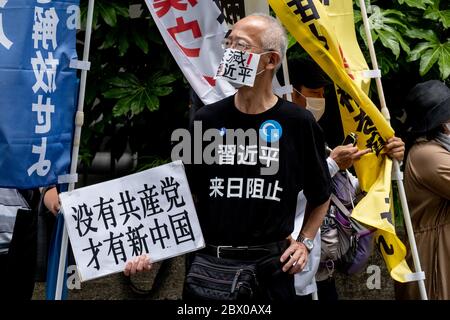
<point>274,60</point>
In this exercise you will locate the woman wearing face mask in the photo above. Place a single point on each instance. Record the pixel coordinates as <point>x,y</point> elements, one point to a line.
<point>427,186</point>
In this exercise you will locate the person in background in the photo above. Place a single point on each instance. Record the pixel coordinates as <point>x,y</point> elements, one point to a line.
<point>18,232</point>
<point>427,186</point>
<point>23,244</point>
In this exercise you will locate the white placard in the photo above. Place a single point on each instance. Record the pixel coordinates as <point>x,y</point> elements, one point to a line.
<point>150,212</point>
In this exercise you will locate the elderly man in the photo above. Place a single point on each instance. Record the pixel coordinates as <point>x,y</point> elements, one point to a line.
<point>246,215</point>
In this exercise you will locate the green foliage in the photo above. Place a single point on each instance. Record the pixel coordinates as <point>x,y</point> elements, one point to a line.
<point>421,4</point>
<point>134,95</point>
<point>412,31</point>
<point>412,45</point>
<point>134,91</point>
<point>430,51</point>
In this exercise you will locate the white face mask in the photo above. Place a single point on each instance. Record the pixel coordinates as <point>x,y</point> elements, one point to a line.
<point>239,68</point>
<point>314,105</point>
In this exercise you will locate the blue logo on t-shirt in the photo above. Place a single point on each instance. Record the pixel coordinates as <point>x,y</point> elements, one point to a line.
<point>270,131</point>
<point>222,131</point>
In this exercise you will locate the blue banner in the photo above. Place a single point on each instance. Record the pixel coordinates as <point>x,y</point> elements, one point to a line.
<point>38,90</point>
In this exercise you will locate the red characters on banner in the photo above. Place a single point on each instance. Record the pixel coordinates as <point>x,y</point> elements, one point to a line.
<point>163,6</point>
<point>346,65</point>
<point>181,26</point>
<point>210,80</point>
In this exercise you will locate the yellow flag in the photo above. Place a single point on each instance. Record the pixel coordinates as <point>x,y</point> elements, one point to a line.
<point>309,23</point>
<point>340,15</point>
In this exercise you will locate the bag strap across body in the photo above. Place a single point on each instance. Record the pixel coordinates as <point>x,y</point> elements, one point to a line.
<point>340,205</point>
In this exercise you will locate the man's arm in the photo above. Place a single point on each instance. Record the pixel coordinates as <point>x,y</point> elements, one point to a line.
<point>313,219</point>
<point>296,255</point>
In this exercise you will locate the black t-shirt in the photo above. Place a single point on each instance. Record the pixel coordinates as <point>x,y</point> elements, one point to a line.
<point>237,205</point>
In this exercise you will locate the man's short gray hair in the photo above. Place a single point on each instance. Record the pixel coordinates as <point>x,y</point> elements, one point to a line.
<point>274,37</point>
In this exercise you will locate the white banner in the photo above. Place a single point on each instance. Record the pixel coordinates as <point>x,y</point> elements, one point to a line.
<point>150,213</point>
<point>193,31</point>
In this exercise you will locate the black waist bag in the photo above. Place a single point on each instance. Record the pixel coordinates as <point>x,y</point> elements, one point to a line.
<point>211,278</point>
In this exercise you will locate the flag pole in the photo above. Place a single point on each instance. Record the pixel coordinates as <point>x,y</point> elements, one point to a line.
<point>396,167</point>
<point>76,146</point>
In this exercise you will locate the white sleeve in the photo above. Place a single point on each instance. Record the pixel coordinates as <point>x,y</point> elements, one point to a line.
<point>332,167</point>
<point>354,180</point>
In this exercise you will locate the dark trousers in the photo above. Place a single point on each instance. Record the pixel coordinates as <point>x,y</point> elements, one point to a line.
<point>326,290</point>
<point>275,285</point>
<point>17,267</point>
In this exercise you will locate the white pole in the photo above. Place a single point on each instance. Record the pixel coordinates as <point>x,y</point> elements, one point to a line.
<point>409,228</point>
<point>373,59</point>
<point>76,145</point>
<point>397,172</point>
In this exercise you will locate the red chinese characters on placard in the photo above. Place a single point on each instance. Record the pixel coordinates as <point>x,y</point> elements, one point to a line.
<point>163,6</point>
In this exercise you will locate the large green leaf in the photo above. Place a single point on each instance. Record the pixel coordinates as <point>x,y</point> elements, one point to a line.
<point>388,27</point>
<point>123,44</point>
<point>152,103</point>
<point>438,15</point>
<point>108,13</point>
<point>140,41</point>
<point>391,12</point>
<point>431,52</point>
<point>125,80</point>
<point>122,9</point>
<point>162,91</point>
<point>393,21</point>
<point>417,52</point>
<point>389,41</point>
<point>116,93</point>
<point>163,80</point>
<point>122,106</point>
<point>444,61</point>
<point>429,58</point>
<point>136,105</point>
<point>417,33</point>
<point>421,4</point>
<point>398,37</point>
